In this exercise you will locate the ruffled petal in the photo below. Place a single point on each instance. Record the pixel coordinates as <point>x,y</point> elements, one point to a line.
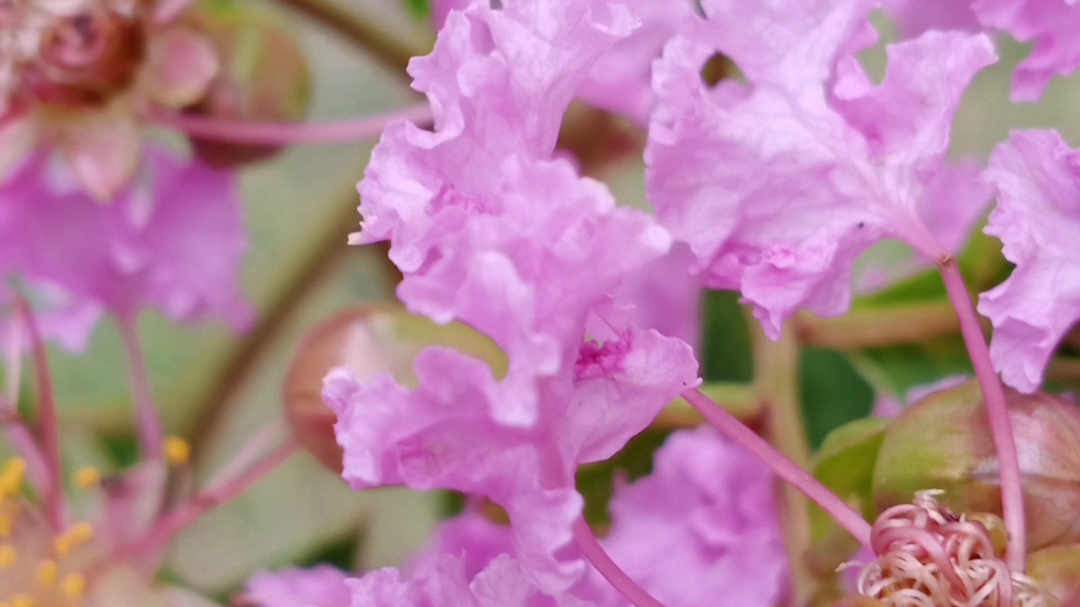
<point>1037,218</point>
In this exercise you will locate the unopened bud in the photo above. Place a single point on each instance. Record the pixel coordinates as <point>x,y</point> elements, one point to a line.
<point>944,442</point>
<point>264,78</point>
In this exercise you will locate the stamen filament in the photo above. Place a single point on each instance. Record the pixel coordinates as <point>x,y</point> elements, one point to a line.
<point>206,500</point>
<point>55,504</point>
<point>595,553</point>
<point>151,435</point>
<point>783,467</point>
<point>1012,489</point>
<point>280,133</point>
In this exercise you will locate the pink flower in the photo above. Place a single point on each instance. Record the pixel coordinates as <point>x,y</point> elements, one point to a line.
<point>703,525</point>
<point>778,186</point>
<point>1037,218</point>
<point>1050,25</point>
<point>620,80</point>
<point>442,435</point>
<point>173,240</point>
<point>321,586</point>
<point>80,77</point>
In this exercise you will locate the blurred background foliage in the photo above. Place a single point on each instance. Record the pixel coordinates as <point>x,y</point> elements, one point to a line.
<point>217,389</point>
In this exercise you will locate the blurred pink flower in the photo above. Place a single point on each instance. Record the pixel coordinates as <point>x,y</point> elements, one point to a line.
<point>174,239</point>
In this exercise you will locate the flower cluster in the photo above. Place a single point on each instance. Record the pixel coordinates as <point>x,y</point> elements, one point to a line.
<point>557,323</point>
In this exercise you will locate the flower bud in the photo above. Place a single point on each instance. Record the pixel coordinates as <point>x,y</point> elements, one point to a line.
<point>944,442</point>
<point>264,78</point>
<point>369,340</point>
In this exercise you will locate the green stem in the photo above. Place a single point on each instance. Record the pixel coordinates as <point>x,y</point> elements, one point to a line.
<point>878,327</point>
<point>776,380</point>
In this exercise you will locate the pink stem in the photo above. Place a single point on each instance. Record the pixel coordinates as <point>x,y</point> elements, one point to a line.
<point>595,553</point>
<point>1012,489</point>
<point>22,439</point>
<point>151,435</point>
<point>208,499</point>
<point>248,454</point>
<point>783,467</point>
<point>275,133</point>
<point>48,423</point>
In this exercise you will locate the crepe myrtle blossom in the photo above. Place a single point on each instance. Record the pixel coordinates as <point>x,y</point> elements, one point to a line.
<point>173,239</point>
<point>1049,25</point>
<point>489,229</point>
<point>780,184</point>
<point>77,77</point>
<point>1037,176</point>
<point>707,507</point>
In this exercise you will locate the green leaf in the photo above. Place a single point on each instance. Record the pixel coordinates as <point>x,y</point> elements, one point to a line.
<point>726,353</point>
<point>832,391</point>
<point>420,9</point>
<point>906,366</point>
<point>596,482</point>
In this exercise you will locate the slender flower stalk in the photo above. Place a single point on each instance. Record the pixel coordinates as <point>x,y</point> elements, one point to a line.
<point>213,496</point>
<point>267,133</point>
<point>730,427</point>
<point>151,435</point>
<point>1012,490</point>
<point>595,553</point>
<point>48,424</point>
<point>248,455</point>
<point>22,440</point>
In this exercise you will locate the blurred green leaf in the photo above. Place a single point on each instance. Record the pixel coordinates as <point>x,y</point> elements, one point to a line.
<point>832,392</point>
<point>907,366</point>
<point>596,482</point>
<point>726,354</point>
<point>421,9</point>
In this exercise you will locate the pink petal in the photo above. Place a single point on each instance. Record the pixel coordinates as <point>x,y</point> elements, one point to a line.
<point>1038,219</point>
<point>1051,27</point>
<point>173,240</point>
<point>324,586</point>
<point>778,187</point>
<point>103,148</point>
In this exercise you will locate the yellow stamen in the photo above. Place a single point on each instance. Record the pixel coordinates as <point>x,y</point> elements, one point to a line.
<point>8,556</point>
<point>177,450</point>
<point>73,586</point>
<point>47,572</point>
<point>73,538</point>
<point>22,600</point>
<point>87,477</point>
<point>12,477</point>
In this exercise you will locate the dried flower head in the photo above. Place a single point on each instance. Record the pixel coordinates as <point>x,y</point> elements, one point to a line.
<point>930,557</point>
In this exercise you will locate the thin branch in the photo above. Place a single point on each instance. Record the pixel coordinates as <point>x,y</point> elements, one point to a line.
<point>286,133</point>
<point>1012,489</point>
<point>369,36</point>
<point>324,256</point>
<point>878,327</point>
<point>151,435</point>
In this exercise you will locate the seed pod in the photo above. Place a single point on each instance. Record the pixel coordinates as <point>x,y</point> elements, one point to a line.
<point>369,340</point>
<point>944,442</point>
